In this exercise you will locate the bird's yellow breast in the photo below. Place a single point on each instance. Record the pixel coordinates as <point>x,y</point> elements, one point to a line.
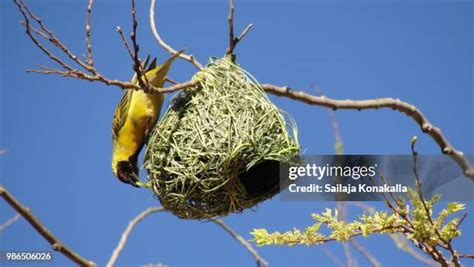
<point>140,119</point>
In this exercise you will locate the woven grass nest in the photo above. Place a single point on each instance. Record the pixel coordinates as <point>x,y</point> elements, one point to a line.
<point>218,147</point>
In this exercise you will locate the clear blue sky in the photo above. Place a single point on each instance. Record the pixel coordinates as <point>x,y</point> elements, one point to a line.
<point>58,131</point>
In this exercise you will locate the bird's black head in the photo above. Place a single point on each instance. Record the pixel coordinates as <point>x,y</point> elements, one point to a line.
<point>127,172</point>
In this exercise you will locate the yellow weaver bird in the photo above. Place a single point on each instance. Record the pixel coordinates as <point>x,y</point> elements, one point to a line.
<point>134,118</point>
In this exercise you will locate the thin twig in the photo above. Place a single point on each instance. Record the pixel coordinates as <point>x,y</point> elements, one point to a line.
<point>230,20</point>
<point>163,44</point>
<point>398,238</point>
<point>371,258</point>
<point>243,33</point>
<point>233,41</point>
<point>402,243</point>
<point>461,220</point>
<point>9,222</point>
<point>118,83</point>
<point>56,244</point>
<point>168,79</point>
<point>333,257</point>
<point>90,61</point>
<point>350,260</point>
<point>27,13</point>
<point>341,206</point>
<point>124,238</point>
<point>28,28</point>
<point>468,256</point>
<point>138,68</point>
<point>379,103</point>
<point>258,259</point>
<point>454,254</point>
<point>124,41</point>
<point>410,110</point>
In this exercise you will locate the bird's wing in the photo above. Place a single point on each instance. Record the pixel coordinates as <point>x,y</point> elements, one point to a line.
<point>121,112</point>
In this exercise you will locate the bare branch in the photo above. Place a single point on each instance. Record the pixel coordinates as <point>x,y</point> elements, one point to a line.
<point>395,104</point>
<point>371,258</point>
<point>124,238</point>
<point>461,220</point>
<point>136,48</point>
<point>338,143</point>
<point>243,33</point>
<point>168,79</point>
<point>165,46</point>
<point>28,28</point>
<point>125,42</point>
<point>233,41</point>
<point>230,20</point>
<point>56,244</point>
<point>454,254</point>
<point>90,61</point>
<point>402,243</point>
<point>137,68</point>
<point>258,259</point>
<point>9,222</point>
<point>27,13</point>
<point>468,256</point>
<point>350,260</point>
<point>333,257</point>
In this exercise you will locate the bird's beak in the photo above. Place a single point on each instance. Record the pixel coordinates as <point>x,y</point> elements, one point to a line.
<point>135,180</point>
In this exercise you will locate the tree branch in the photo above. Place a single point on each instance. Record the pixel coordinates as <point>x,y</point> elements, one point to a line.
<point>90,61</point>
<point>230,20</point>
<point>410,110</point>
<point>9,222</point>
<point>337,262</point>
<point>467,256</point>
<point>371,258</point>
<point>400,241</point>
<point>124,238</point>
<point>395,104</point>
<point>164,45</point>
<point>233,41</point>
<point>56,244</point>
<point>454,254</point>
<point>258,259</point>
